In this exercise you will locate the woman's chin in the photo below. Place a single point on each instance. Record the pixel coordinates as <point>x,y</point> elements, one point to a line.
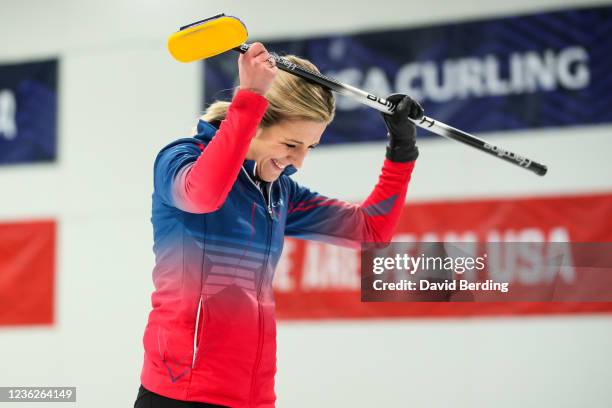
<point>269,177</point>
<point>270,173</point>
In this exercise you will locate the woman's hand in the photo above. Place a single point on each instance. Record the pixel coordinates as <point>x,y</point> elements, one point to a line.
<point>257,69</point>
<point>402,132</point>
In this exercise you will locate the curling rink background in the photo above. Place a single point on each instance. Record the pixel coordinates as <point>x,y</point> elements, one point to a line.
<point>120,98</point>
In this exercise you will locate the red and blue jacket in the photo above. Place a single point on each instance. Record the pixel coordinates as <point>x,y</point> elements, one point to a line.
<point>218,236</point>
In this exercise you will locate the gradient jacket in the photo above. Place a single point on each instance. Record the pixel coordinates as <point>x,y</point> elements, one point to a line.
<point>218,235</point>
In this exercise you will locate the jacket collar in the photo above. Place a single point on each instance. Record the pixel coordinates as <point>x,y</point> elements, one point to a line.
<point>206,132</point>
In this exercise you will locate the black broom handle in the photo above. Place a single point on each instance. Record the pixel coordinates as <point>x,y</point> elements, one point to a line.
<point>386,106</point>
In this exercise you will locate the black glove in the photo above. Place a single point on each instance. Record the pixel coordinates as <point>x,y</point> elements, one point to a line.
<point>402,132</point>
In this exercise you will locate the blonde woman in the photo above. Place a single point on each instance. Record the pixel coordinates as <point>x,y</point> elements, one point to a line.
<point>223,202</point>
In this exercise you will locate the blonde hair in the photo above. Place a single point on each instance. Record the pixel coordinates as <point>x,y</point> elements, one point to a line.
<point>289,98</point>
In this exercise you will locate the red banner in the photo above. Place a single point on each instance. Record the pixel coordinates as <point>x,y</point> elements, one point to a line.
<point>27,265</point>
<point>315,281</point>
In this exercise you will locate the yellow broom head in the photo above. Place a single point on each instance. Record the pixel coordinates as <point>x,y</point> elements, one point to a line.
<point>207,38</point>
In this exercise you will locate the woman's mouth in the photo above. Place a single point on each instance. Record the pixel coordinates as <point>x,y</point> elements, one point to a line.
<point>278,165</point>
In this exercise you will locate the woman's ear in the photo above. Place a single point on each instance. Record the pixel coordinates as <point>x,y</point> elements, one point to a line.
<point>259,132</point>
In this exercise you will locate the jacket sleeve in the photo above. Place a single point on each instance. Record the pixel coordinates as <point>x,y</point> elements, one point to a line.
<point>197,178</point>
<point>313,216</point>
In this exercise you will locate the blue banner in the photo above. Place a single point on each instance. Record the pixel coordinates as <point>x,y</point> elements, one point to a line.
<point>28,112</point>
<point>536,71</point>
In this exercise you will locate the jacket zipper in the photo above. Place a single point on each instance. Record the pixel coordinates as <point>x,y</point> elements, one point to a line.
<point>261,316</point>
<point>270,211</point>
<point>268,207</point>
<point>195,334</point>
<point>259,351</point>
<point>259,284</point>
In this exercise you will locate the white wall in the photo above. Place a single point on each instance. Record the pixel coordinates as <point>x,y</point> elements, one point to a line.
<point>122,98</point>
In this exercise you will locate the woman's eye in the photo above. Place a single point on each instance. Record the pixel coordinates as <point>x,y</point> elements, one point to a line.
<point>290,145</point>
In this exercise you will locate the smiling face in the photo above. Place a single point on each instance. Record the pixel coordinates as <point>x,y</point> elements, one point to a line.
<point>288,142</point>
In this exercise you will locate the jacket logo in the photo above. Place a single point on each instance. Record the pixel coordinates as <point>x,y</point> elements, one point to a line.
<point>278,203</point>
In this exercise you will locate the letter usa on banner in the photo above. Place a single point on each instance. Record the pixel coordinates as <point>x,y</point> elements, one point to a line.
<point>28,112</point>
<point>534,71</point>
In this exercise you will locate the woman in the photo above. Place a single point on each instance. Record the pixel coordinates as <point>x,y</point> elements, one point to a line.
<point>222,203</point>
